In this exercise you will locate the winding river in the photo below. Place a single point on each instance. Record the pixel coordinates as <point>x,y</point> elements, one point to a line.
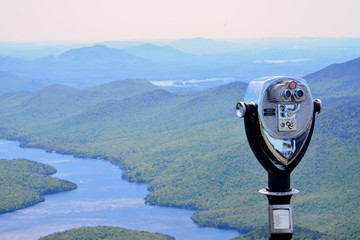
<point>102,198</point>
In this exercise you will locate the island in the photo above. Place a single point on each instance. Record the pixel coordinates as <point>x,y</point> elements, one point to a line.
<point>105,232</point>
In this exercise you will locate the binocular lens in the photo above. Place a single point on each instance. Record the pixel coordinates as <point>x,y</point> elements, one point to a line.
<point>299,93</point>
<point>287,93</point>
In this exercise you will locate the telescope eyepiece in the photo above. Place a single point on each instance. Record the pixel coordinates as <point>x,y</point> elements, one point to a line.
<point>299,93</point>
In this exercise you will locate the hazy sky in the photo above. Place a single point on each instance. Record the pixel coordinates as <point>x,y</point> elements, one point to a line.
<point>171,19</point>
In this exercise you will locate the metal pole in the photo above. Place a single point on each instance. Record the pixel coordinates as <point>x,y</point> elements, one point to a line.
<point>280,214</point>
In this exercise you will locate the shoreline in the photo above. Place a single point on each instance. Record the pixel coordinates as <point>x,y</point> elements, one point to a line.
<point>31,196</point>
<point>124,169</point>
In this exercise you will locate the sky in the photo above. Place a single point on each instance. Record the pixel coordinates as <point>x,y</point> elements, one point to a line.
<point>100,20</point>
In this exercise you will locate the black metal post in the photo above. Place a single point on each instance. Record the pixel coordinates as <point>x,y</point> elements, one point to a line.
<point>280,214</point>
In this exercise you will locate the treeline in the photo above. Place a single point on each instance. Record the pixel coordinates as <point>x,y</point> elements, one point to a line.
<point>23,183</point>
<point>105,232</point>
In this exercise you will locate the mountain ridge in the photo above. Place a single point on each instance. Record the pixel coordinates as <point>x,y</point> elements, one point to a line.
<point>58,101</point>
<point>80,66</point>
<point>155,52</point>
<point>101,52</point>
<point>341,80</point>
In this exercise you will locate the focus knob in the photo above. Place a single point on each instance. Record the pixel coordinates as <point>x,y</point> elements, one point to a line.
<point>245,109</point>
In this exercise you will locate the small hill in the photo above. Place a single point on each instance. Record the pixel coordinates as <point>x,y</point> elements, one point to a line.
<point>105,232</point>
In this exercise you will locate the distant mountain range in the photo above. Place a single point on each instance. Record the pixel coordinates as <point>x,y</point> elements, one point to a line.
<point>80,67</point>
<point>185,59</point>
<point>158,53</point>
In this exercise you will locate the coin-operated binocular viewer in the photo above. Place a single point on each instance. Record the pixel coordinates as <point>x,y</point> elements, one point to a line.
<point>279,118</point>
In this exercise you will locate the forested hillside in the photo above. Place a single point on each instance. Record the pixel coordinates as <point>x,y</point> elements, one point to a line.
<point>23,183</point>
<point>192,150</point>
<point>105,232</point>
<point>336,80</point>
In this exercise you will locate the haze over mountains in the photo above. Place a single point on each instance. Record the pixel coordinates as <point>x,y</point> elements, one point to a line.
<point>186,59</point>
<point>191,149</point>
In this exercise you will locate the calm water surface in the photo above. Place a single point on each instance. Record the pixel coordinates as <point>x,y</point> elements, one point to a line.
<point>102,198</point>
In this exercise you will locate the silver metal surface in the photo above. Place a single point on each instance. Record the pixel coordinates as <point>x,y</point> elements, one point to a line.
<point>281,218</point>
<point>288,193</point>
<point>281,148</point>
<point>320,103</point>
<point>240,109</point>
<point>284,121</point>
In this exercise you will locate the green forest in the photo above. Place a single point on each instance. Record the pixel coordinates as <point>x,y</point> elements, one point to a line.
<point>191,149</point>
<point>105,233</point>
<point>23,183</point>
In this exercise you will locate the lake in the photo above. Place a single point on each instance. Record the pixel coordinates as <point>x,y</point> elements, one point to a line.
<point>102,198</point>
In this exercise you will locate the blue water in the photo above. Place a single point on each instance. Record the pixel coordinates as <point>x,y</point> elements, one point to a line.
<point>102,198</point>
